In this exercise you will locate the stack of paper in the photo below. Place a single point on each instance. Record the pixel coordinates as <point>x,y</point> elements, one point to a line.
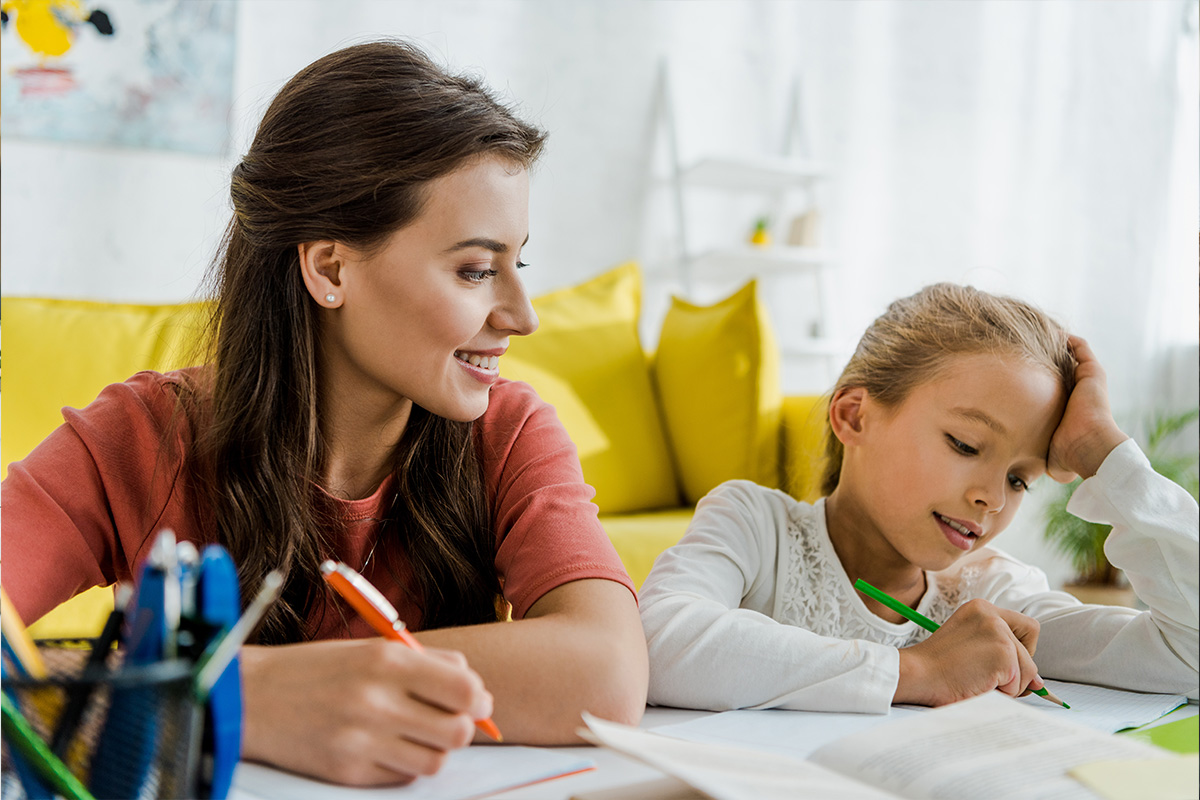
<point>468,773</point>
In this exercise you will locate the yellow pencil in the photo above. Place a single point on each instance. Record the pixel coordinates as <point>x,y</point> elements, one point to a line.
<point>19,640</point>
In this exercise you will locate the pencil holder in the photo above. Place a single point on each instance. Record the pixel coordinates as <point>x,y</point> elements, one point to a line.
<point>131,731</point>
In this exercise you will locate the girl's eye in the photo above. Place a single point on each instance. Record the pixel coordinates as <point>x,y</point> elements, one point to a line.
<point>1018,483</point>
<point>521,265</point>
<point>961,446</point>
<point>479,275</point>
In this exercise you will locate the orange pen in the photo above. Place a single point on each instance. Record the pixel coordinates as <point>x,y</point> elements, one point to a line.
<point>372,606</point>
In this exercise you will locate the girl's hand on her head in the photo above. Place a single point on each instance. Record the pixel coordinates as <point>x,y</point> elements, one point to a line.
<point>359,712</point>
<point>1087,432</point>
<point>980,648</point>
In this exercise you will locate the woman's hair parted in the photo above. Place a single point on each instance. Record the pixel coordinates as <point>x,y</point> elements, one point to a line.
<point>344,152</point>
<point>912,341</point>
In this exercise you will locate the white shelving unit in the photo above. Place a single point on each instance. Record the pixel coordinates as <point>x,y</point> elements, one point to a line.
<point>784,185</point>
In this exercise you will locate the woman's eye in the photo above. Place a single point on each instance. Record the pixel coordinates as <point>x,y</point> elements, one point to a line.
<point>1018,483</point>
<point>521,265</point>
<point>478,275</point>
<point>961,446</point>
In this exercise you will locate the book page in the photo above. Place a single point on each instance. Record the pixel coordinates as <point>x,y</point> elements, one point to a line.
<point>987,747</point>
<point>790,733</point>
<point>1103,709</point>
<point>728,773</point>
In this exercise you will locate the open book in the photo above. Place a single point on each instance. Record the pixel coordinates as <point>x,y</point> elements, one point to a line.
<point>990,746</point>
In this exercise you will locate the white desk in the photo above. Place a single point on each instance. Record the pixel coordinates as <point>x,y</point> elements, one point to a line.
<point>614,770</point>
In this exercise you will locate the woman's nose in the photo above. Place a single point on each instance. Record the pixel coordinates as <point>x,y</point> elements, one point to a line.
<point>514,312</point>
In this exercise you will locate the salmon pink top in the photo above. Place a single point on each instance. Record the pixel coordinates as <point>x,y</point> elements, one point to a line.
<point>83,508</point>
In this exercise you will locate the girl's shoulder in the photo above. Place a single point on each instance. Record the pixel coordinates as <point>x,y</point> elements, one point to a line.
<point>990,574</point>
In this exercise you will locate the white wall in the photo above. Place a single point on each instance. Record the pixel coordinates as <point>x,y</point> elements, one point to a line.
<point>1046,149</point>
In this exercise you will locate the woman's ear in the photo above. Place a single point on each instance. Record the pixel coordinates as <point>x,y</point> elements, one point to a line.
<point>846,414</point>
<point>321,265</point>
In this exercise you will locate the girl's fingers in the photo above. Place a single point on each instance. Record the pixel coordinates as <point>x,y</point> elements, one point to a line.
<point>1025,629</point>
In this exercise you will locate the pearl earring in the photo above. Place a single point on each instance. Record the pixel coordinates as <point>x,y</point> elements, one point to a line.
<point>329,298</point>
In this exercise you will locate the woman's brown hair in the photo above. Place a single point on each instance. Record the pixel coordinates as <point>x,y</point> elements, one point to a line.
<point>343,153</point>
<point>913,339</point>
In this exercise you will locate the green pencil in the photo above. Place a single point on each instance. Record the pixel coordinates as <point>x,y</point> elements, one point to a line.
<point>26,741</point>
<point>928,624</point>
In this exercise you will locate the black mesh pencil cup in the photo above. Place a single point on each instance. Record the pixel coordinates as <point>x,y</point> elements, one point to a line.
<point>128,732</point>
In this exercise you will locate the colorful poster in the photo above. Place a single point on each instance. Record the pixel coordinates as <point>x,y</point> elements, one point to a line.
<point>138,73</point>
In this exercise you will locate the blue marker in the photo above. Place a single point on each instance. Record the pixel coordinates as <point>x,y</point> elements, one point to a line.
<point>219,606</point>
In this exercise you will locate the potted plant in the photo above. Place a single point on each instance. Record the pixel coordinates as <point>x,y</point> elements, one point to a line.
<point>1082,542</point>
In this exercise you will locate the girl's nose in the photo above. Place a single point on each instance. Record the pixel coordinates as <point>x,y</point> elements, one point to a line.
<point>988,495</point>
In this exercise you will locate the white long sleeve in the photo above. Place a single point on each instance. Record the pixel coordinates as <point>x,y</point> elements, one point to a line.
<point>752,608</point>
<point>1154,540</point>
<point>707,609</point>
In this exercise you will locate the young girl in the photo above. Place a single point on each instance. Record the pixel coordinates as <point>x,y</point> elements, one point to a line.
<point>954,402</point>
<point>353,410</point>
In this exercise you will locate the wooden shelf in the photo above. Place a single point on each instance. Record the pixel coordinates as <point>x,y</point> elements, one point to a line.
<point>751,173</point>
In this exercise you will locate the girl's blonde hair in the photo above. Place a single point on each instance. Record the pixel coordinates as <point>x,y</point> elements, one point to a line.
<point>914,339</point>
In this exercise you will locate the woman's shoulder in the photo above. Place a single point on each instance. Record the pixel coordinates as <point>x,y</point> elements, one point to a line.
<point>147,399</point>
<point>508,397</point>
<point>515,408</point>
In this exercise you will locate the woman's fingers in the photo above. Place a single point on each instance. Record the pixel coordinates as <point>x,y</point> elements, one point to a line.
<point>444,680</point>
<point>362,712</point>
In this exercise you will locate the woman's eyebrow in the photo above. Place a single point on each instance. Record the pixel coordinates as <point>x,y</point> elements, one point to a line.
<point>975,415</point>
<point>483,241</point>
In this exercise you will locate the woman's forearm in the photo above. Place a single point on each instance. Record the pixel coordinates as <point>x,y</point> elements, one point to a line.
<point>580,648</point>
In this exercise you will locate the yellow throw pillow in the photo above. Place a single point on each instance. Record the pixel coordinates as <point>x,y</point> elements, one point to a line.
<point>587,361</point>
<point>717,370</point>
<point>63,352</point>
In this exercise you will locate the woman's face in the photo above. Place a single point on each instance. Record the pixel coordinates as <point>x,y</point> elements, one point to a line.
<point>427,317</point>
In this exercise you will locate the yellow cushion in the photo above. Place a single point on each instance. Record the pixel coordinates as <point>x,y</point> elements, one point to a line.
<point>63,352</point>
<point>587,361</point>
<point>717,370</point>
<point>804,445</point>
<point>640,538</point>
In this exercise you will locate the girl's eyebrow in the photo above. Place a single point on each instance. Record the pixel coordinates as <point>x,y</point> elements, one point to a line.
<point>482,241</point>
<point>975,415</point>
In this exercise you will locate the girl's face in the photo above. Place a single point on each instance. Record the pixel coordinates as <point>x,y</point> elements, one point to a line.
<point>945,471</point>
<point>427,317</point>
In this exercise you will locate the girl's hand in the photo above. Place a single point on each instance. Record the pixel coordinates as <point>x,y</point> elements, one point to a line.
<point>363,712</point>
<point>980,648</point>
<point>1087,432</point>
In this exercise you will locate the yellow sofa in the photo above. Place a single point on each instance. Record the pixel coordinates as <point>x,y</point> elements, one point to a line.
<point>655,431</point>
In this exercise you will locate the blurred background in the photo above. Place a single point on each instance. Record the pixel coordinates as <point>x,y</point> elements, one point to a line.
<point>1046,149</point>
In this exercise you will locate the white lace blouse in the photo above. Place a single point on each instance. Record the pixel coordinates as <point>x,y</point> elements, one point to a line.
<point>752,609</point>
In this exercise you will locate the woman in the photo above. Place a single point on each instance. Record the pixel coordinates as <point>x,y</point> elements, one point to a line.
<point>352,409</point>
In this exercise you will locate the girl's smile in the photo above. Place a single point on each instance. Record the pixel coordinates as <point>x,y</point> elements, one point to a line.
<point>962,534</point>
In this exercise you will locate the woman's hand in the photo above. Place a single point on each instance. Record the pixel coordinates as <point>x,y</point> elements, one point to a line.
<point>362,712</point>
<point>980,648</point>
<point>1087,432</point>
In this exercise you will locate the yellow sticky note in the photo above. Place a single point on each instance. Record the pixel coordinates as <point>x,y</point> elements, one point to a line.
<point>1172,778</point>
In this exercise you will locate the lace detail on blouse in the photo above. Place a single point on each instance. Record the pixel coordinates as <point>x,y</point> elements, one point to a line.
<point>816,594</point>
